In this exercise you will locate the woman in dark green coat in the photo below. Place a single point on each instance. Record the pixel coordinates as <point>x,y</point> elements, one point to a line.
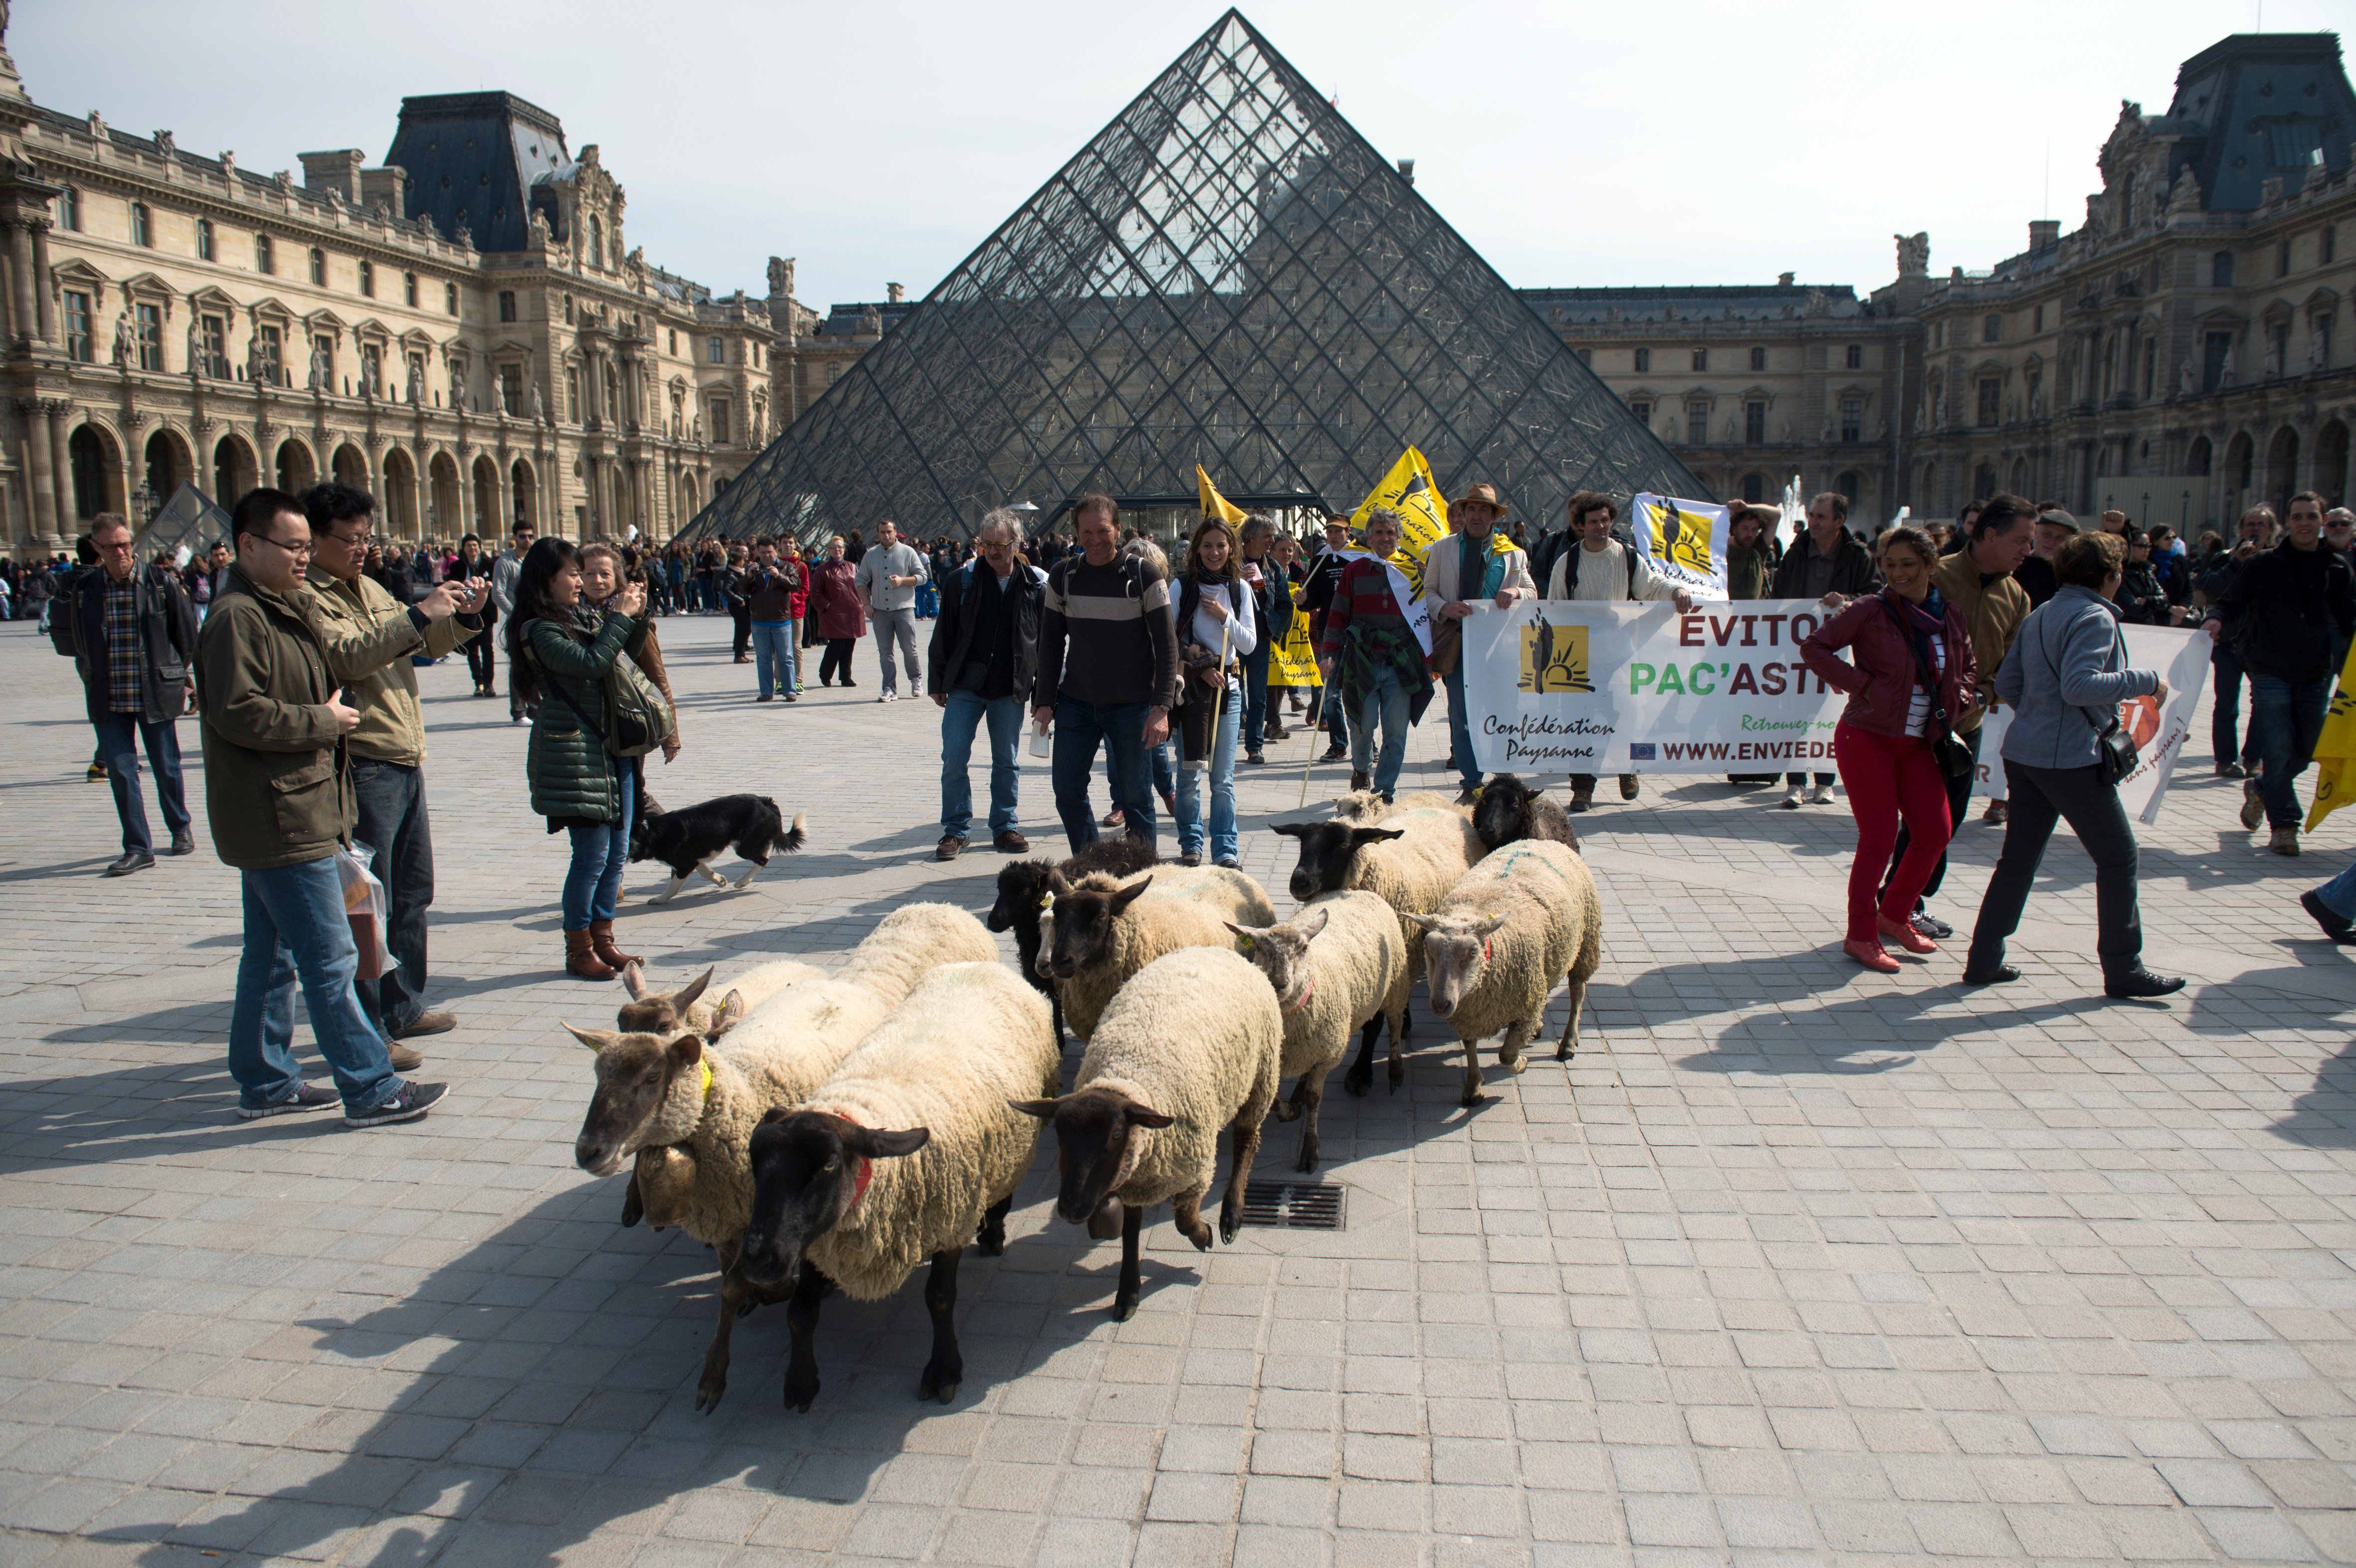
<point>576,782</point>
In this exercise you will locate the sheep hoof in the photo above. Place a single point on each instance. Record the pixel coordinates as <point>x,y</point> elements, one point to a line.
<point>1563,1053</point>
<point>939,1383</point>
<point>707,1395</point>
<point>1517,1064</point>
<point>1357,1080</point>
<point>1285,1111</point>
<point>1122,1311</point>
<point>745,1308</point>
<point>801,1399</point>
<point>1470,1097</point>
<point>989,1247</point>
<point>1201,1236</point>
<point>1308,1160</point>
<point>1230,1225</point>
<point>1399,1075</point>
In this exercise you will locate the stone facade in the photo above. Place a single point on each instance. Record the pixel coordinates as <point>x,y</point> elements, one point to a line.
<point>464,331</point>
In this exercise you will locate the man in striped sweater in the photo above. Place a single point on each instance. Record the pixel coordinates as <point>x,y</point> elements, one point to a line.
<point>1107,672</point>
<point>1369,653</point>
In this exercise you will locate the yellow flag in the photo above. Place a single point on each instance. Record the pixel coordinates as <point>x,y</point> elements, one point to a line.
<point>1214,504</point>
<point>2335,749</point>
<point>1408,490</point>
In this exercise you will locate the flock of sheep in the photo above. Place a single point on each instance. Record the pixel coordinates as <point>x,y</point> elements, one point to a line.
<point>824,1130</point>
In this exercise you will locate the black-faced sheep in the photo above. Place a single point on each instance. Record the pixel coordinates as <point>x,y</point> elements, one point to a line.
<point>1510,811</point>
<point>1410,860</point>
<point>1339,964</point>
<point>1104,930</point>
<point>1495,947</point>
<point>1190,1045</point>
<point>657,1092</point>
<point>909,1151</point>
<point>1025,890</point>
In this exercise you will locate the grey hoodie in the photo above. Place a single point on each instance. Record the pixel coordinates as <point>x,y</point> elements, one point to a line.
<point>2064,678</point>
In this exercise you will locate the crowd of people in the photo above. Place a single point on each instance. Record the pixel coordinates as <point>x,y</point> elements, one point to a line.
<point>295,641</point>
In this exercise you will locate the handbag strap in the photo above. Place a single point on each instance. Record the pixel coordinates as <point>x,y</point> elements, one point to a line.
<point>2102,732</point>
<point>549,680</point>
<point>1922,669</point>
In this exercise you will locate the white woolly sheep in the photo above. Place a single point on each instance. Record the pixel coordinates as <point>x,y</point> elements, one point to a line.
<point>1339,964</point>
<point>1190,1045</point>
<point>1104,929</point>
<point>1411,860</point>
<point>686,1010</point>
<point>1495,945</point>
<point>911,1149</point>
<point>1365,807</point>
<point>655,1092</point>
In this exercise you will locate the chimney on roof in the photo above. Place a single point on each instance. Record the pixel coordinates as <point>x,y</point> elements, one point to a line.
<point>895,294</point>
<point>1407,170</point>
<point>2044,233</point>
<point>337,172</point>
<point>1784,280</point>
<point>385,187</point>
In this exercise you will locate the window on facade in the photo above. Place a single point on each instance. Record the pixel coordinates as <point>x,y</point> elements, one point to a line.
<point>142,224</point>
<point>368,279</point>
<point>2040,319</point>
<point>719,422</point>
<point>1701,360</point>
<point>1697,421</point>
<point>1991,410</point>
<point>1855,357</point>
<point>1754,421</point>
<point>69,210</point>
<point>1992,329</point>
<point>78,342</point>
<point>1587,356</point>
<point>568,311</point>
<point>2220,270</point>
<point>273,356</point>
<point>2322,326</point>
<point>2278,339</point>
<point>2035,382</point>
<point>2150,358</point>
<point>596,242</point>
<point>1754,487</point>
<point>1852,419</point>
<point>204,239</point>
<point>212,340</point>
<point>1643,360</point>
<point>2294,144</point>
<point>1759,359</point>
<point>716,351</point>
<point>572,393</point>
<point>674,342</point>
<point>2282,260</point>
<point>2326,245</point>
<point>150,322</point>
<point>506,304</point>
<point>450,299</point>
<point>512,389</point>
<point>756,357</point>
<point>1643,412</point>
<point>409,290</point>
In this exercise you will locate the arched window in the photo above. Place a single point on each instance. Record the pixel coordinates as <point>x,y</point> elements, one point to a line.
<point>318,266</point>
<point>596,242</point>
<point>204,239</point>
<point>265,261</point>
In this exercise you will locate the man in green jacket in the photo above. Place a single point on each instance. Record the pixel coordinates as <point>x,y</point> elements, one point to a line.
<point>278,793</point>
<point>370,637</point>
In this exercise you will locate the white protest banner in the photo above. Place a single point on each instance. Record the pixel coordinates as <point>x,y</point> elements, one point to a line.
<point>1611,688</point>
<point>1684,541</point>
<point>2160,733</point>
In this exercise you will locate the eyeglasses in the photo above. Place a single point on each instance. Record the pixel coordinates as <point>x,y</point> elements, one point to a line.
<point>122,545</point>
<point>297,550</point>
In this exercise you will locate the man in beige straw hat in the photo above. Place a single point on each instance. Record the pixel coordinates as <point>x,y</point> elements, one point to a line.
<point>1476,564</point>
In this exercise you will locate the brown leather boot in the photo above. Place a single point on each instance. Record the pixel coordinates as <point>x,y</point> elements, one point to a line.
<point>581,958</point>
<point>601,941</point>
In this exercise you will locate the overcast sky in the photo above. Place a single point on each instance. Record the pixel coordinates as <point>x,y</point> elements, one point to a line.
<point>1651,142</point>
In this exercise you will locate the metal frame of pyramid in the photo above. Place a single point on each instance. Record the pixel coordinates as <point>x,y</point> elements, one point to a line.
<point>1226,274</point>
<point>190,517</point>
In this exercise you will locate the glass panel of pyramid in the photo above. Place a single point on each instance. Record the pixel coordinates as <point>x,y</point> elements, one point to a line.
<point>1228,274</point>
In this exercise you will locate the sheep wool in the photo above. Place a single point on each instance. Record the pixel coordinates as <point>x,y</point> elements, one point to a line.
<point>1185,907</point>
<point>1358,965</point>
<point>1366,808</point>
<point>969,1039</point>
<point>1413,874</point>
<point>1196,1035</point>
<point>1554,924</point>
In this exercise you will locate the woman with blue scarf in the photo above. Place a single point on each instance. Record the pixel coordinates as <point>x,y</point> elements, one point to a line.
<point>1909,673</point>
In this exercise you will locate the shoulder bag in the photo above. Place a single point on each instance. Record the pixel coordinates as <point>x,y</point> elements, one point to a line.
<point>638,719</point>
<point>1954,757</point>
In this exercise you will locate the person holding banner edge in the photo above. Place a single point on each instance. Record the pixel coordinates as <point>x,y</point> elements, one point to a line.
<point>1477,562</point>
<point>2068,667</point>
<point>1596,568</point>
<point>1910,667</point>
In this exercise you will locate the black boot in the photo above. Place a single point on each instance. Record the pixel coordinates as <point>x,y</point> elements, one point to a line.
<point>2140,983</point>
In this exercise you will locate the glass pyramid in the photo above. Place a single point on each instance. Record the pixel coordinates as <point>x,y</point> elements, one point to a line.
<point>1228,274</point>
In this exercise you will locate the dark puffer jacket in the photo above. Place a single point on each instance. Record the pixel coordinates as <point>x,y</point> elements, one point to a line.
<point>573,778</point>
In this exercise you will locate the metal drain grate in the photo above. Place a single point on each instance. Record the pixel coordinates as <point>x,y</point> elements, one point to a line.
<point>1294,1205</point>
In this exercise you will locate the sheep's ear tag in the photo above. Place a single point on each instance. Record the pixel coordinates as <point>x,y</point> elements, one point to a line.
<point>1047,900</point>
<point>706,1065</point>
<point>858,1182</point>
<point>1245,941</point>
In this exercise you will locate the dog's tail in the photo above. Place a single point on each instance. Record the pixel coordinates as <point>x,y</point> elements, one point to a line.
<point>793,837</point>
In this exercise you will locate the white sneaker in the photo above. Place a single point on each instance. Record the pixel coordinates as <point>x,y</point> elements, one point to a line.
<point>1823,795</point>
<point>1792,799</point>
<point>888,697</point>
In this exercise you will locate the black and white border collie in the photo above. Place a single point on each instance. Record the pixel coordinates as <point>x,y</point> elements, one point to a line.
<point>689,839</point>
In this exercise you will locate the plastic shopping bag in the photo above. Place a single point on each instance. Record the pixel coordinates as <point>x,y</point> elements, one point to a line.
<point>364,906</point>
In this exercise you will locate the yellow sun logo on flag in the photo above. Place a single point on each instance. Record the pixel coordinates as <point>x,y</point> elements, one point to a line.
<point>1554,658</point>
<point>1679,536</point>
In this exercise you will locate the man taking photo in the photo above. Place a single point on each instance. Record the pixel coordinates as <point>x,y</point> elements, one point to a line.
<point>370,637</point>
<point>133,633</point>
<point>278,793</point>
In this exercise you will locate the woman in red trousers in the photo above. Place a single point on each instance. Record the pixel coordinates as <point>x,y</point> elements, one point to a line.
<point>1910,669</point>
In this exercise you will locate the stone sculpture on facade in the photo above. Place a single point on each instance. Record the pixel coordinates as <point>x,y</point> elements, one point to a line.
<point>126,341</point>
<point>417,381</point>
<point>322,373</point>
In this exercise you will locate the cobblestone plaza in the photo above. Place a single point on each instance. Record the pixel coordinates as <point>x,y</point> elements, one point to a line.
<point>1795,1262</point>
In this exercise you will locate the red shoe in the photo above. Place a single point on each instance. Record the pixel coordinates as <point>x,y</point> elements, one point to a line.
<point>1870,954</point>
<point>1904,934</point>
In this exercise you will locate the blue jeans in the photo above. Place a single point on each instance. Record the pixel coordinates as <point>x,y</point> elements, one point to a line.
<point>1120,728</point>
<point>2286,716</point>
<point>1256,699</point>
<point>773,657</point>
<point>119,736</point>
<point>296,927</point>
<point>394,821</point>
<point>2339,894</point>
<point>601,852</point>
<point>1337,723</point>
<point>1386,704</point>
<point>1221,768</point>
<point>1460,732</point>
<point>2225,675</point>
<point>966,712</point>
